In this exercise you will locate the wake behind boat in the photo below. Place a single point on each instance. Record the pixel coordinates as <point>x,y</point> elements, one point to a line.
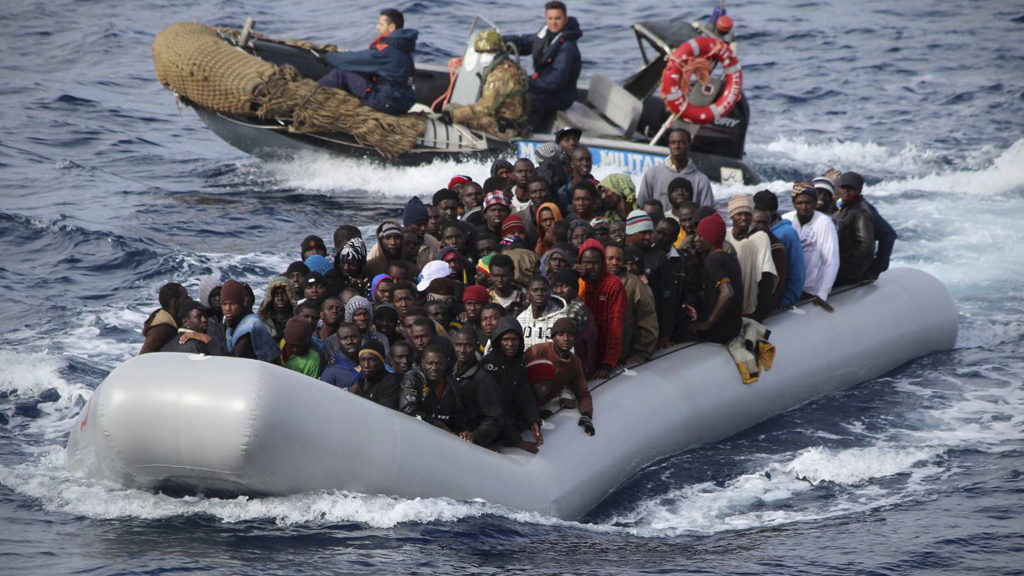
<point>225,426</point>
<point>625,126</point>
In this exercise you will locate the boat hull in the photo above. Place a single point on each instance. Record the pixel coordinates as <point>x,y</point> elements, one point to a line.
<point>230,426</point>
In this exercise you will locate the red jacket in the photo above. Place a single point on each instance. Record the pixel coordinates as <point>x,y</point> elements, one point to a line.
<point>606,299</point>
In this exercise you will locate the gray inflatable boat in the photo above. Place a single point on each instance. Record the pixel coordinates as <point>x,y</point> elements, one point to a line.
<point>222,426</point>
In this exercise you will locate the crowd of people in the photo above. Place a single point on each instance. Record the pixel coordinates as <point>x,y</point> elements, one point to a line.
<point>478,311</point>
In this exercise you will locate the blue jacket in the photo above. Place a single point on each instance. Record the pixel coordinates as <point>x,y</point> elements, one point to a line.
<point>795,269</point>
<point>556,64</point>
<point>390,64</point>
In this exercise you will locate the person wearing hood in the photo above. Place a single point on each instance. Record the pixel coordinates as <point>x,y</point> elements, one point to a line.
<point>352,259</point>
<point>548,214</point>
<point>279,305</point>
<point>656,180</point>
<point>359,311</point>
<point>554,260</point>
<point>209,296</point>
<point>543,312</point>
<point>375,382</point>
<point>484,417</point>
<point>312,244</point>
<point>460,269</point>
<point>194,337</point>
<point>387,249</point>
<point>606,299</point>
<point>569,384</point>
<point>381,76</point>
<point>385,322</point>
<point>783,230</point>
<point>505,364</point>
<point>246,335</point>
<point>298,354</point>
<point>430,392</point>
<point>556,62</point>
<point>162,324</point>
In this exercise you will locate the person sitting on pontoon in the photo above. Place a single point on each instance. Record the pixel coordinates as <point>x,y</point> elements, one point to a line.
<point>380,76</point>
<point>556,62</point>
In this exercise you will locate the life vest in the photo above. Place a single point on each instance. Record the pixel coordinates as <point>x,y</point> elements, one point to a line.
<point>675,79</point>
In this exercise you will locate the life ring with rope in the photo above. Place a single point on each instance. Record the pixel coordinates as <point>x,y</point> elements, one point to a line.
<point>693,57</point>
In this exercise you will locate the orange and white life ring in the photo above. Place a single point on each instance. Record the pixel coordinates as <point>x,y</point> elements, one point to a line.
<point>675,80</point>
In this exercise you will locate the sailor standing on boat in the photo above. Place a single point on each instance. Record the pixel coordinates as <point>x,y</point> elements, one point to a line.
<point>556,62</point>
<point>380,76</point>
<point>504,99</point>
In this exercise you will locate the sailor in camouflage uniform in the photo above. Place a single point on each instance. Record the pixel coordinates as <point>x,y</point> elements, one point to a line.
<point>504,103</point>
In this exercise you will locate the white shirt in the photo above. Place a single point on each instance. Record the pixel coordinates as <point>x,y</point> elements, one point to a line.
<point>755,255</point>
<point>821,252</point>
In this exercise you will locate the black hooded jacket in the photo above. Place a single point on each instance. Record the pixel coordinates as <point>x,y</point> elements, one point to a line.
<point>517,400</point>
<point>418,398</point>
<point>484,417</point>
<point>384,389</point>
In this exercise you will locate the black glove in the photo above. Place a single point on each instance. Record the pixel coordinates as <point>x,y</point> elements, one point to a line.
<point>587,422</point>
<point>446,117</point>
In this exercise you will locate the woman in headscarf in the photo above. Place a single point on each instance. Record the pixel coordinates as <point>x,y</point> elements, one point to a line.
<point>353,260</point>
<point>547,214</point>
<point>618,194</point>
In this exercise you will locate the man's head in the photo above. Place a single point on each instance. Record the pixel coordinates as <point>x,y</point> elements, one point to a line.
<point>371,358</point>
<point>615,259</point>
<point>639,229</point>
<point>540,373</point>
<point>349,338</point>
<point>581,163</point>
<point>539,292</point>
<point>539,191</point>
<point>513,226</point>
<point>503,270</point>
<point>385,319</point>
<point>489,317</point>
<point>446,202</point>
<point>566,284</point>
<point>471,196</point>
<point>850,185</point>
<point>411,243</point>
<point>466,345</point>
<point>601,230</point>
<point>501,167</point>
<point>686,214</point>
<point>452,235</point>
<point>617,232</point>
<point>665,234</point>
<point>522,171</point>
<point>563,334</point>
<point>313,244</point>
<point>421,331</point>
<point>568,138</point>
<point>438,311</point>
<point>634,260</point>
<point>297,333</point>
<point>805,199</point>
<point>399,270</point>
<point>401,357</point>
<point>332,312</point>
<point>434,363</point>
<point>171,296</point>
<point>495,210</point>
<point>389,234</point>
<point>433,221</point>
<point>741,209</point>
<point>584,199</point>
<point>710,233</point>
<point>655,209</point>
<point>403,296</point>
<point>389,21</point>
<point>296,272</point>
<point>192,316</point>
<point>679,190</point>
<point>486,244</point>
<point>592,264</point>
<point>473,300</point>
<point>310,311</point>
<point>415,216</point>
<point>232,300</point>
<point>761,220</point>
<point>381,291</point>
<point>555,16</point>
<point>510,343</point>
<point>579,232</point>
<point>679,146</point>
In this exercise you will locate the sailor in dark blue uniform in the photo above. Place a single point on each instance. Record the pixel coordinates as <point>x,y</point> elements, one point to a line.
<point>556,62</point>
<point>382,75</point>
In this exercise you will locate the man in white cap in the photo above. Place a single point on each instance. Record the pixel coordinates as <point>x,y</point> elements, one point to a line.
<point>754,251</point>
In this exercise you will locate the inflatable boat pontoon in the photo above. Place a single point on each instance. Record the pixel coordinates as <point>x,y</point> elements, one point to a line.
<point>223,426</point>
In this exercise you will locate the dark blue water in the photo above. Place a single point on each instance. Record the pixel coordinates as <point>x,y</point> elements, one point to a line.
<point>106,192</point>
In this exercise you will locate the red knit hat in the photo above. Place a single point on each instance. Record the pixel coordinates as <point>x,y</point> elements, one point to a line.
<point>712,229</point>
<point>540,369</point>
<point>513,224</point>
<point>477,293</point>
